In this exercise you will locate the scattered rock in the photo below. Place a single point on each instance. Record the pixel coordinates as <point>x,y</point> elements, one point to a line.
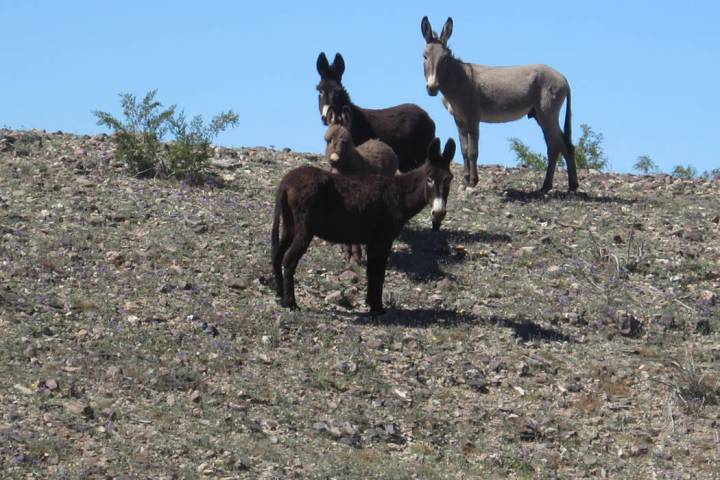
<point>79,408</point>
<point>628,325</point>
<point>702,327</point>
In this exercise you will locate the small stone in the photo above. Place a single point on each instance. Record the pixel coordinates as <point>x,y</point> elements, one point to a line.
<point>348,276</point>
<point>628,325</point>
<point>195,396</point>
<point>523,370</point>
<point>51,384</point>
<point>115,258</point>
<point>337,298</point>
<point>79,408</point>
<point>114,371</point>
<point>708,298</point>
<point>703,327</point>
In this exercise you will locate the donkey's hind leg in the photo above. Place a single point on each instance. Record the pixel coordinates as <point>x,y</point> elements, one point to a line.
<point>298,247</point>
<point>278,255</point>
<point>555,145</point>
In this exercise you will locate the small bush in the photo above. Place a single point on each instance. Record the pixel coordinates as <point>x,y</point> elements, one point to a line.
<point>138,139</point>
<point>713,174</point>
<point>188,155</point>
<point>589,152</point>
<point>645,165</point>
<point>687,172</point>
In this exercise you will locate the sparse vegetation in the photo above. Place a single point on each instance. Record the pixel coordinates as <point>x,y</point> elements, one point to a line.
<point>589,152</point>
<point>189,153</point>
<point>138,138</point>
<point>645,165</point>
<point>686,172</point>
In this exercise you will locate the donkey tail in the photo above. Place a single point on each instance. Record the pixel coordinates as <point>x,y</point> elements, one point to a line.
<point>280,200</point>
<point>277,255</point>
<point>567,128</point>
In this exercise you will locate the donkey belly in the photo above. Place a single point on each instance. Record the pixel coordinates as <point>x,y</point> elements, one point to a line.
<point>504,115</point>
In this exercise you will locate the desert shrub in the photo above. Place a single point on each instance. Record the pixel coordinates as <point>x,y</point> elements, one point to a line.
<point>188,154</point>
<point>686,172</point>
<point>138,138</point>
<point>713,174</point>
<point>589,152</point>
<point>645,165</point>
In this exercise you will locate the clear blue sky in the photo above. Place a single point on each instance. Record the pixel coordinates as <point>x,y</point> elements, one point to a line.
<point>644,73</point>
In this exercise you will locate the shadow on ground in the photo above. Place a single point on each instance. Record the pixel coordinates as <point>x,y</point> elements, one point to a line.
<point>513,195</point>
<point>429,250</point>
<point>525,330</point>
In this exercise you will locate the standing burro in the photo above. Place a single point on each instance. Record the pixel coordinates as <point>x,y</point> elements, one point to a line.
<point>478,93</point>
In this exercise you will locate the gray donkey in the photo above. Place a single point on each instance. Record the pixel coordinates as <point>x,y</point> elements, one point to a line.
<point>478,93</point>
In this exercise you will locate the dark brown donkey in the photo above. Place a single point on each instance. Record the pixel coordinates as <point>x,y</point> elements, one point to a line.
<point>407,128</point>
<point>478,93</point>
<point>368,209</point>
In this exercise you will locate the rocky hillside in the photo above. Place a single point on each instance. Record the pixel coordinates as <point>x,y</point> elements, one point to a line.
<point>533,337</point>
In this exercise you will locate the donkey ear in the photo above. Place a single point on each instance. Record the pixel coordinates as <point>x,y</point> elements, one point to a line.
<point>433,154</point>
<point>346,116</point>
<point>449,151</point>
<point>338,66</point>
<point>446,31</point>
<point>323,67</point>
<point>426,30</point>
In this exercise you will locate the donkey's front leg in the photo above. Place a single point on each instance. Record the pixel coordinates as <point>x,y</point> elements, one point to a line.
<point>377,257</point>
<point>472,154</point>
<point>463,135</point>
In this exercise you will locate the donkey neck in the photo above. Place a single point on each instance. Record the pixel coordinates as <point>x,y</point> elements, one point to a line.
<point>457,86</point>
<point>412,192</point>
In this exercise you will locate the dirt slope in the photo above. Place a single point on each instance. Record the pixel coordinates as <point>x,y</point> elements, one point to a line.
<point>533,337</point>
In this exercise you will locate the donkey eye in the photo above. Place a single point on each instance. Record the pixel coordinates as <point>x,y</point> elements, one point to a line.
<point>430,182</point>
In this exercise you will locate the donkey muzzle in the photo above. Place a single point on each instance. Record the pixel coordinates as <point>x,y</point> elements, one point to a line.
<point>438,212</point>
<point>432,89</point>
<point>323,114</point>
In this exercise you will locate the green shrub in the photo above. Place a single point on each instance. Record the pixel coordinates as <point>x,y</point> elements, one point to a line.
<point>188,155</point>
<point>645,165</point>
<point>687,172</point>
<point>589,152</point>
<point>138,139</point>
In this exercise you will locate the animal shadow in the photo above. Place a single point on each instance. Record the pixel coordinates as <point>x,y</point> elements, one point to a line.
<point>513,195</point>
<point>418,318</point>
<point>528,330</point>
<point>429,250</point>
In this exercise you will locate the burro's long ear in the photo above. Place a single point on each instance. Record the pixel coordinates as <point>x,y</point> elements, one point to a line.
<point>323,67</point>
<point>338,66</point>
<point>346,117</point>
<point>426,30</point>
<point>446,31</point>
<point>433,154</point>
<point>449,152</point>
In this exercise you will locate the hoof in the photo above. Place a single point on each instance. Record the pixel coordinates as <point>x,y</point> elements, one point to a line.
<point>545,189</point>
<point>292,305</point>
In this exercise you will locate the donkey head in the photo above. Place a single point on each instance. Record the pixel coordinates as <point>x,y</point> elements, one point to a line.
<point>435,53</point>
<point>438,178</point>
<point>330,90</point>
<point>338,137</point>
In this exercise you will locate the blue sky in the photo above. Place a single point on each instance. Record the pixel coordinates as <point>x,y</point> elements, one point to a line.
<point>645,74</point>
